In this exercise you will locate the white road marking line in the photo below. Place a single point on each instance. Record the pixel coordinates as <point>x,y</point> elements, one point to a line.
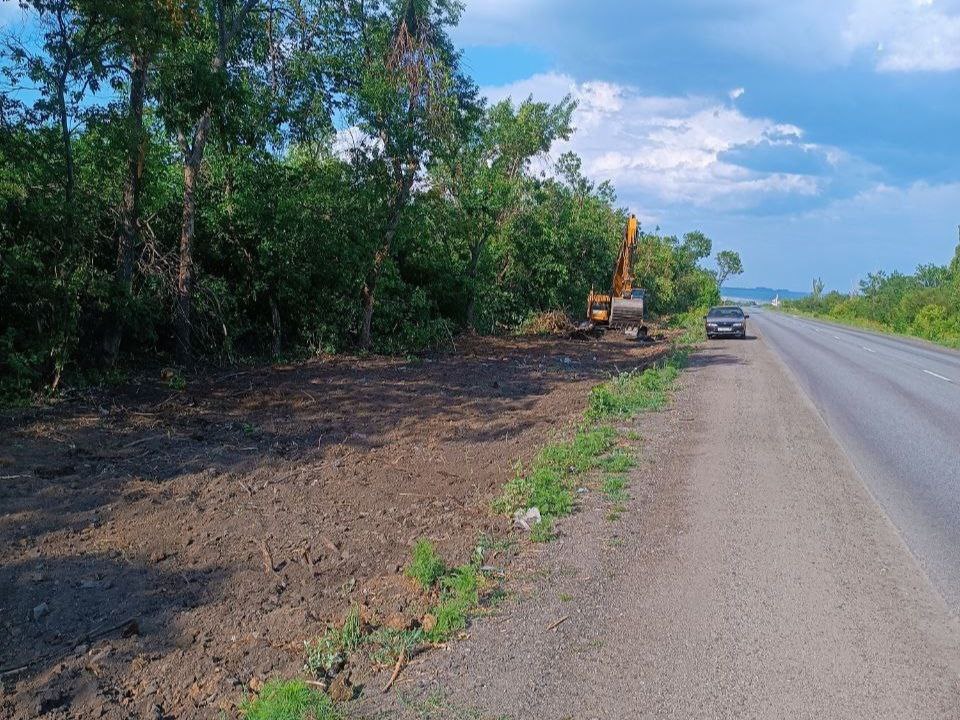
<point>936,375</point>
<point>868,349</point>
<point>836,337</point>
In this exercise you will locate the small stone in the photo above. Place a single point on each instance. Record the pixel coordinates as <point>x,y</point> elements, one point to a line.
<point>255,684</point>
<point>428,622</point>
<point>40,611</point>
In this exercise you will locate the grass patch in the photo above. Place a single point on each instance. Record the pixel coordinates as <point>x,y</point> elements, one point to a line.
<point>548,483</point>
<point>460,594</point>
<point>615,488</point>
<point>289,700</point>
<point>386,646</point>
<point>329,651</point>
<point>542,532</point>
<point>426,567</point>
<point>619,461</point>
<point>634,392</point>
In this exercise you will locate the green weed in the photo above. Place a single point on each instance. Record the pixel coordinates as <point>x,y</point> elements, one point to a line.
<point>548,483</point>
<point>634,392</point>
<point>618,461</point>
<point>330,649</point>
<point>614,487</point>
<point>289,700</point>
<point>386,646</point>
<point>426,567</point>
<point>542,532</point>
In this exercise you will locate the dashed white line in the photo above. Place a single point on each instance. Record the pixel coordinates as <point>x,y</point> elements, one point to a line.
<point>937,375</point>
<point>869,350</point>
<point>836,337</point>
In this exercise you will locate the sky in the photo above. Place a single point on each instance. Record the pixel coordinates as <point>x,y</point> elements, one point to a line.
<point>817,138</point>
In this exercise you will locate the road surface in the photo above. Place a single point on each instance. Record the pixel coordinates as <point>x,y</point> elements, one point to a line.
<point>894,405</point>
<point>752,575</point>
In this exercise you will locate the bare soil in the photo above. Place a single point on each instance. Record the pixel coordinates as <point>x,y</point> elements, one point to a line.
<point>164,551</point>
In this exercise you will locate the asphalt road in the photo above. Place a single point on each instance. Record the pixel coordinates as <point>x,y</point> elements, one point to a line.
<point>894,405</point>
<point>751,575</point>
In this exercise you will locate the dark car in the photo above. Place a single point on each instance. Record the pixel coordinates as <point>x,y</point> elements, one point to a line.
<point>726,321</point>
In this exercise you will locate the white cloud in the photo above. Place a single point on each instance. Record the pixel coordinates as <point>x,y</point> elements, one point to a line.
<point>895,35</point>
<point>668,150</point>
<point>737,93</point>
<point>907,35</point>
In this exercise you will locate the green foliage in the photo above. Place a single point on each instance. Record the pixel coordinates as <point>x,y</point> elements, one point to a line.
<point>291,226</point>
<point>289,700</point>
<point>543,531</point>
<point>728,264</point>
<point>548,483</point>
<point>925,304</point>
<point>386,645</point>
<point>633,392</point>
<point>615,488</point>
<point>427,566</point>
<point>331,648</point>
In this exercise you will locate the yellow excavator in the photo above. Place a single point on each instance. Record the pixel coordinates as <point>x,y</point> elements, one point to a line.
<point>624,307</point>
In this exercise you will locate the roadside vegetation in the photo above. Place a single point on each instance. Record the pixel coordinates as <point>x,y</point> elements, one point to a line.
<point>925,304</point>
<point>550,482</point>
<point>313,178</point>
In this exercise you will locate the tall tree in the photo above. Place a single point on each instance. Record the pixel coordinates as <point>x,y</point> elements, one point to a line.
<point>409,95</point>
<point>65,64</point>
<point>728,264</point>
<point>142,29</point>
<point>197,85</point>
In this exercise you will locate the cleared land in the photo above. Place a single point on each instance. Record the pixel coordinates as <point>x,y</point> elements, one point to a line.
<point>165,550</point>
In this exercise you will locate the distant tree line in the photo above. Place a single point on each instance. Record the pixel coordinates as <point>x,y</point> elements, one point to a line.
<point>217,179</point>
<point>925,304</point>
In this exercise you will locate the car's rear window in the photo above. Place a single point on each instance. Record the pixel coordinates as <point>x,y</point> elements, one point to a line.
<point>731,312</point>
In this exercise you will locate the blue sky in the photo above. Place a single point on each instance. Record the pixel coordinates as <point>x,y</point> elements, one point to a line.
<point>819,138</point>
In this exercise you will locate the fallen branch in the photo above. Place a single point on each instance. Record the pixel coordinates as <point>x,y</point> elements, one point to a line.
<point>559,622</point>
<point>396,670</point>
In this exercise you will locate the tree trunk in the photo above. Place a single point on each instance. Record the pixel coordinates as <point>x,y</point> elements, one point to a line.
<point>276,328</point>
<point>475,252</point>
<point>69,172</point>
<point>129,236</point>
<point>370,287</point>
<point>184,300</point>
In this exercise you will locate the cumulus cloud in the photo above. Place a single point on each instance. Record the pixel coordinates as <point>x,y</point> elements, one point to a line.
<point>907,35</point>
<point>695,151</point>
<point>737,93</point>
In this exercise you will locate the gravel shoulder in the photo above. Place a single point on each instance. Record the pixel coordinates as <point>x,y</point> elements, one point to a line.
<point>753,576</point>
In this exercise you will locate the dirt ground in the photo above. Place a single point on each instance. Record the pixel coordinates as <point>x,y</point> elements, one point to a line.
<point>163,551</point>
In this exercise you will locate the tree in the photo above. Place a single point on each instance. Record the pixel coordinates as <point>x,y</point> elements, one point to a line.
<point>410,96</point>
<point>142,29</point>
<point>728,264</point>
<point>65,66</point>
<point>198,85</point>
<point>486,175</point>
<point>817,288</point>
